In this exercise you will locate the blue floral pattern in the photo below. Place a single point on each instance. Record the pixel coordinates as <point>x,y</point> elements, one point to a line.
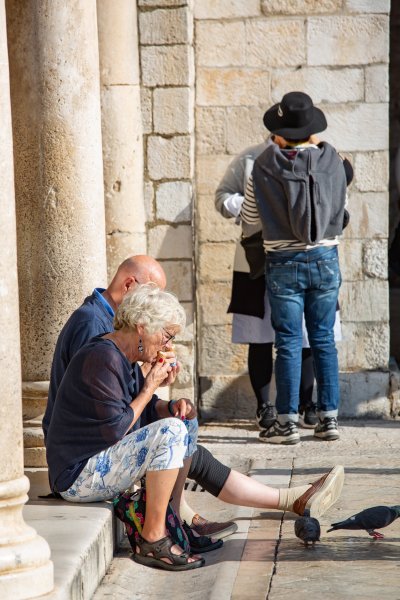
<point>141,457</point>
<point>103,465</point>
<point>158,446</point>
<point>142,434</point>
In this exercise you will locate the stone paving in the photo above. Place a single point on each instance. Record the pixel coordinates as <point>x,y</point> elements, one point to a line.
<point>264,560</point>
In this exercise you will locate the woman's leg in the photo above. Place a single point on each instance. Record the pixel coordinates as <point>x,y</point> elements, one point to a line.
<point>315,498</point>
<point>159,485</point>
<point>156,451</point>
<point>156,447</point>
<point>259,363</point>
<point>177,493</point>
<point>242,490</point>
<point>160,488</point>
<point>307,407</point>
<point>211,474</point>
<point>208,471</point>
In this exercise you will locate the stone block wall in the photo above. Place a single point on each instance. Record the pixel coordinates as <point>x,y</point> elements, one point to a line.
<point>248,54</point>
<point>167,84</point>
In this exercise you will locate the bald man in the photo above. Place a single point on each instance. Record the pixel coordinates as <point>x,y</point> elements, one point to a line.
<point>95,317</point>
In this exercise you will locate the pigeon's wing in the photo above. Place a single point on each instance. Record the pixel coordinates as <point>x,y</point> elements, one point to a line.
<point>349,523</point>
<point>316,528</point>
<point>299,527</point>
<point>375,517</point>
<point>370,518</point>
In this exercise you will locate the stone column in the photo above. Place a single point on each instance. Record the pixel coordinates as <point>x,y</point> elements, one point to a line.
<point>122,131</point>
<point>55,96</point>
<point>25,566</point>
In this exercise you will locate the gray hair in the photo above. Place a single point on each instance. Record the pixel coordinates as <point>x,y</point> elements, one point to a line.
<point>151,307</point>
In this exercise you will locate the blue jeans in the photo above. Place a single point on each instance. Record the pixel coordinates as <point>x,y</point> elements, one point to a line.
<point>297,283</point>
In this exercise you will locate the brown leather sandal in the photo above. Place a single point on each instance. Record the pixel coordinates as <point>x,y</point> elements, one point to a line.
<point>162,549</point>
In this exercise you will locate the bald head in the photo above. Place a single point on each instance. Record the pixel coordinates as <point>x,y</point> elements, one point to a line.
<point>134,270</point>
<point>144,269</point>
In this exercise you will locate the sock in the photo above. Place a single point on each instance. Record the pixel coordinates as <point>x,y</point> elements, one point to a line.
<point>187,513</point>
<point>288,496</point>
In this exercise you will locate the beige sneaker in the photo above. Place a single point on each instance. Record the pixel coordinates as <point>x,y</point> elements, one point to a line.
<point>321,495</point>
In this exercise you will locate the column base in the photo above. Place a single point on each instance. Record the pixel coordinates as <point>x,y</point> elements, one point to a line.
<point>34,401</point>
<point>26,570</point>
<point>29,580</point>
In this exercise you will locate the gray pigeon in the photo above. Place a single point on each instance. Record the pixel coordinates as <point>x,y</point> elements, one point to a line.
<point>308,530</point>
<point>370,519</point>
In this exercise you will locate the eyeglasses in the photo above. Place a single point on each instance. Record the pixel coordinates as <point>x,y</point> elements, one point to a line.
<point>168,337</point>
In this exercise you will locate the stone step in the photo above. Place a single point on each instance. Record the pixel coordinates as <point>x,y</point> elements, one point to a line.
<point>242,568</point>
<point>82,538</point>
<point>34,449</point>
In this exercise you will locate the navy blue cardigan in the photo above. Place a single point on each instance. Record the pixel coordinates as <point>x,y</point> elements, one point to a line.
<point>89,320</point>
<point>92,409</point>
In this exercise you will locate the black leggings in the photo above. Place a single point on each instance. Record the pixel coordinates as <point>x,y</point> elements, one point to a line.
<point>209,472</point>
<point>260,372</point>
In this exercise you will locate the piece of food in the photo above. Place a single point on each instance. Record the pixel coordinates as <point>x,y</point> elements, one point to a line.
<point>163,355</point>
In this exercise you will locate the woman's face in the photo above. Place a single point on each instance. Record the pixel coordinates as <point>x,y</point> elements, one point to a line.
<point>156,342</point>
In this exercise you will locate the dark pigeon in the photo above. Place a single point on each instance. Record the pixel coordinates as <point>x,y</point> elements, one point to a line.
<point>370,519</point>
<point>308,530</point>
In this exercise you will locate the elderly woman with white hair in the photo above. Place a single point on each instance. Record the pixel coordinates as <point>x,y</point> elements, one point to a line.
<point>109,429</point>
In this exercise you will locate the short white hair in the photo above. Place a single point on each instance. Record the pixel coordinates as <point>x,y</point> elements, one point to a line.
<point>151,307</point>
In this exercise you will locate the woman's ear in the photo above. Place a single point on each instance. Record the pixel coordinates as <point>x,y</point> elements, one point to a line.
<point>140,329</point>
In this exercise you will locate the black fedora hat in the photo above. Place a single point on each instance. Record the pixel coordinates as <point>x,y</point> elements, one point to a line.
<point>295,117</point>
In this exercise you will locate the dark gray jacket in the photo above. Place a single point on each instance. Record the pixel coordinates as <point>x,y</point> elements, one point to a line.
<point>300,194</point>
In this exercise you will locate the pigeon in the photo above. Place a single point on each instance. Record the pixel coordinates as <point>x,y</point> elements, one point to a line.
<point>370,519</point>
<point>308,530</point>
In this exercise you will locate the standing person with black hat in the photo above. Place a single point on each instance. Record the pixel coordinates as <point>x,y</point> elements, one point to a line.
<point>251,321</point>
<point>297,191</point>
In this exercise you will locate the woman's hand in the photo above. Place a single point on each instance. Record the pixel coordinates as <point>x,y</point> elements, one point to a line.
<point>171,375</point>
<point>183,409</point>
<point>169,355</point>
<point>158,373</point>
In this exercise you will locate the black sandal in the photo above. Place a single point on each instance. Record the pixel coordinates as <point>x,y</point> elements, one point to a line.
<point>162,549</point>
<point>200,543</point>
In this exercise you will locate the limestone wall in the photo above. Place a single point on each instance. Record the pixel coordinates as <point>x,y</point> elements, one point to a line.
<point>167,80</point>
<point>248,54</point>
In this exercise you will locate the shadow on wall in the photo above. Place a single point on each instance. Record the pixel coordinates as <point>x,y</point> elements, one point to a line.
<point>224,398</point>
<point>364,394</point>
<point>172,244</point>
